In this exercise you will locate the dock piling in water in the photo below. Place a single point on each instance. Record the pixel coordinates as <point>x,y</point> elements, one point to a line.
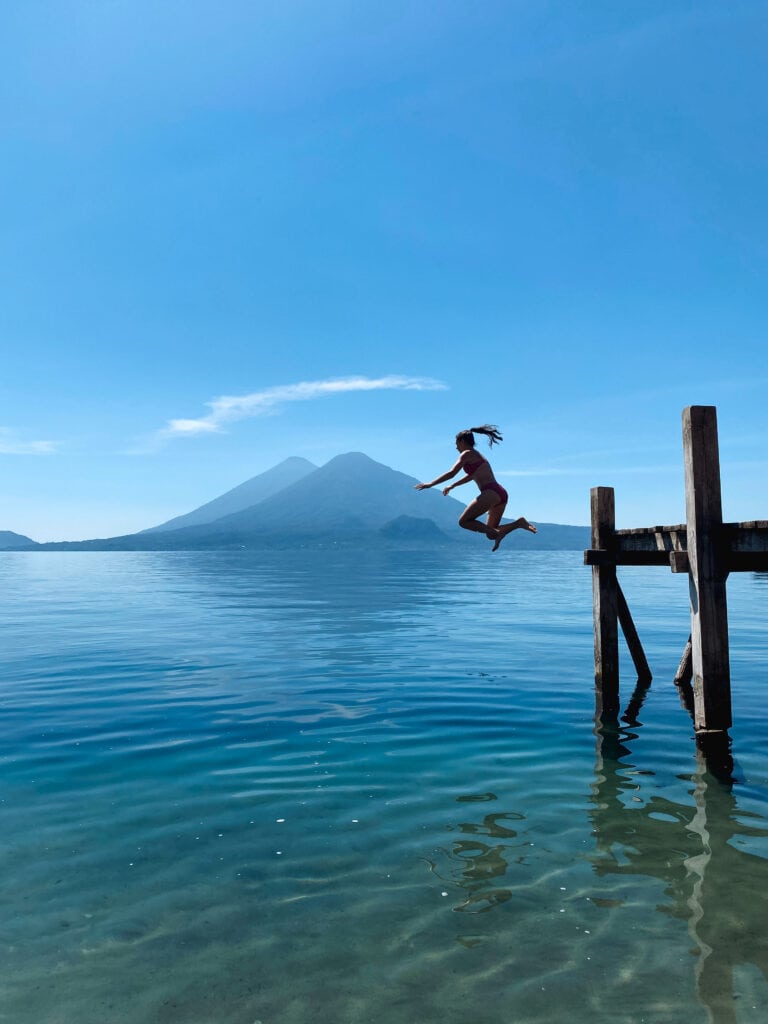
<point>704,547</point>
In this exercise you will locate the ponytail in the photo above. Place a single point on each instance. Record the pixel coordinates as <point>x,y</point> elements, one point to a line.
<point>490,431</point>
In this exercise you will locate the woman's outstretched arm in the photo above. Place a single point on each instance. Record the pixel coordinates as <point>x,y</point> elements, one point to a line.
<point>458,483</point>
<point>440,479</point>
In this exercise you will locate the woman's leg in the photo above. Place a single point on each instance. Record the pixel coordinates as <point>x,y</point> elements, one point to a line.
<point>495,514</point>
<point>519,524</point>
<point>483,503</point>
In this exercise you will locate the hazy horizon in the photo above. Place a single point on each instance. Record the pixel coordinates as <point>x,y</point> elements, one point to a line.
<point>420,509</point>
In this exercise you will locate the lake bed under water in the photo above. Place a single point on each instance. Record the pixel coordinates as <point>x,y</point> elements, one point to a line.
<point>347,787</point>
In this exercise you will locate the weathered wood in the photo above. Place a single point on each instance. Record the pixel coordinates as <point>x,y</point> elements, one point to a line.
<point>743,547</point>
<point>684,672</point>
<point>751,536</point>
<point>732,561</point>
<point>747,561</point>
<point>605,602</point>
<point>656,538</point>
<point>745,544</point>
<point>679,561</point>
<point>709,614</point>
<point>633,640</point>
<point>703,547</point>
<point>593,556</point>
<point>638,531</point>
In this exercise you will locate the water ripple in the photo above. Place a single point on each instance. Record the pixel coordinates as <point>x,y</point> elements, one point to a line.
<point>241,788</point>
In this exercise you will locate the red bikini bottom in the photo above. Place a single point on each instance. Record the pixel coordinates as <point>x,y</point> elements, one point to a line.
<point>503,496</point>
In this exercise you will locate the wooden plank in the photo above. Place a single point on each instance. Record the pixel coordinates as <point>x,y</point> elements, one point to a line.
<point>605,603</point>
<point>709,612</point>
<point>684,672</point>
<point>738,538</point>
<point>638,531</point>
<point>752,525</point>
<point>747,561</point>
<point>652,540</point>
<point>594,556</point>
<point>732,561</point>
<point>633,640</point>
<point>679,561</point>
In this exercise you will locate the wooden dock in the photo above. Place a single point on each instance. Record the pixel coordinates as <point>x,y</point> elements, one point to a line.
<point>705,548</point>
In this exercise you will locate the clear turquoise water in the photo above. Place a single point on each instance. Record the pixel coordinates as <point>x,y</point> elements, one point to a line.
<point>348,787</point>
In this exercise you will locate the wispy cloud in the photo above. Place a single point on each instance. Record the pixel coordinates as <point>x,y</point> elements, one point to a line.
<point>11,445</point>
<point>229,408</point>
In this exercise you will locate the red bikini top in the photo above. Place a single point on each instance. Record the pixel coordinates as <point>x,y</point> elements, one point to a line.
<point>471,468</point>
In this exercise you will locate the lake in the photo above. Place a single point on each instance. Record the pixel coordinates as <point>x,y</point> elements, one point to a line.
<point>342,787</point>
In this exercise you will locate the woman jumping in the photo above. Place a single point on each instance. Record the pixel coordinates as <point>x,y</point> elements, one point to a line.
<point>492,498</point>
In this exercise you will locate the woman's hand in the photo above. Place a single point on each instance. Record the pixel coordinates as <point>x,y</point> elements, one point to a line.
<point>421,487</point>
<point>445,491</point>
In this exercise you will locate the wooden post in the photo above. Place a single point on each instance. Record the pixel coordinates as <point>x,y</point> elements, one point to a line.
<point>605,603</point>
<point>633,640</point>
<point>684,672</point>
<point>709,611</point>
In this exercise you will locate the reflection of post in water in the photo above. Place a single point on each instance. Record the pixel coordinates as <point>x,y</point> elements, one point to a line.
<point>478,863</point>
<point>712,884</point>
<point>637,700</point>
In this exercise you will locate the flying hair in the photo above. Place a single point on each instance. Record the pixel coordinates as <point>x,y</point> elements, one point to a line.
<point>491,431</point>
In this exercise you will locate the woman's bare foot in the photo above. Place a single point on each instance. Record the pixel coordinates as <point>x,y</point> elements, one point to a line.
<point>519,524</point>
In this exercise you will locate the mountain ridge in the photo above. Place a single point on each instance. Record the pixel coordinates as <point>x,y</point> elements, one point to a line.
<point>352,499</point>
<point>245,495</point>
<point>10,541</point>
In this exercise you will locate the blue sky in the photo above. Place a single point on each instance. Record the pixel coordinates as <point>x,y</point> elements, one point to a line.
<point>548,215</point>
